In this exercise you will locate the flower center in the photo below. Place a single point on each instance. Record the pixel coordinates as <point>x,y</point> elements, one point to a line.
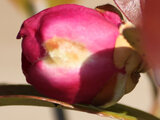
<point>64,52</point>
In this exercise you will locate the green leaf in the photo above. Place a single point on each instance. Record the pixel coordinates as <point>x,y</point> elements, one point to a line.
<point>27,95</point>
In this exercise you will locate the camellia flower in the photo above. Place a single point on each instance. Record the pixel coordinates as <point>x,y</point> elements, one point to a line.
<point>78,55</point>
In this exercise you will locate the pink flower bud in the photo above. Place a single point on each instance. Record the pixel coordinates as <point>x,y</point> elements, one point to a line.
<point>67,54</point>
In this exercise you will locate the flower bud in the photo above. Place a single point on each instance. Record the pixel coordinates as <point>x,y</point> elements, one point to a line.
<point>68,54</point>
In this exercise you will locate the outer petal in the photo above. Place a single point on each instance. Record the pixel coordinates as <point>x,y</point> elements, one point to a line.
<point>151,34</point>
<point>80,24</point>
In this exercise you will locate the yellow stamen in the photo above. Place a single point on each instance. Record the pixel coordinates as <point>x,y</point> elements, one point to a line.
<point>64,52</point>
